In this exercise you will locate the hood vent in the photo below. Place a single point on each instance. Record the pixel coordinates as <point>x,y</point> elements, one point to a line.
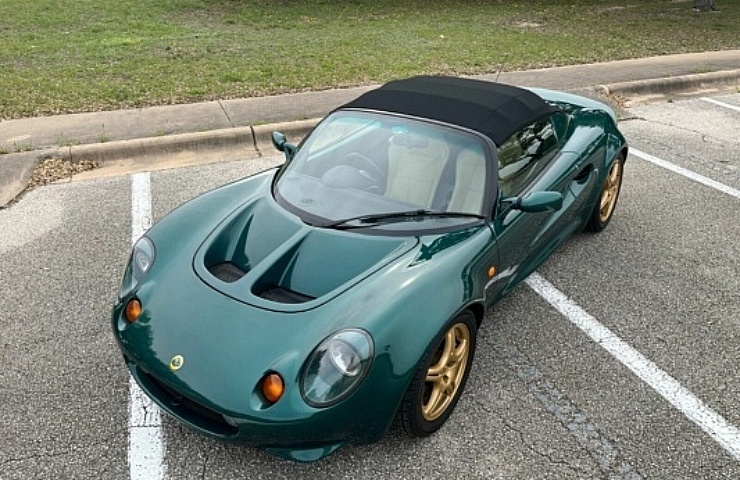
<point>227,272</point>
<point>264,256</point>
<point>283,295</point>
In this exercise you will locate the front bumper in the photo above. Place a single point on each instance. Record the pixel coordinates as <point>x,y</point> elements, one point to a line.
<point>212,423</point>
<point>215,395</point>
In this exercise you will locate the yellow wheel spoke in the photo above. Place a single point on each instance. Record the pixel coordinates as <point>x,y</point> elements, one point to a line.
<point>445,376</point>
<point>610,191</point>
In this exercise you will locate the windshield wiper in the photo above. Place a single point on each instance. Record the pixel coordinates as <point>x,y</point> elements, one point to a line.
<point>371,220</point>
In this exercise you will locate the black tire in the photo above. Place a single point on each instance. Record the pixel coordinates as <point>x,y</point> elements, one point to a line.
<point>438,382</point>
<point>607,202</point>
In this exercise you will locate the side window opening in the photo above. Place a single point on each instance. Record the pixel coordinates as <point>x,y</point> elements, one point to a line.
<point>524,155</point>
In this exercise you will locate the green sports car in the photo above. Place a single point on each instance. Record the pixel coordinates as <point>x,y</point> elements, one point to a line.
<point>311,305</point>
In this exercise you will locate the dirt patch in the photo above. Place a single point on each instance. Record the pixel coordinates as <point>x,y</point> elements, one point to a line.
<point>53,169</point>
<point>524,24</point>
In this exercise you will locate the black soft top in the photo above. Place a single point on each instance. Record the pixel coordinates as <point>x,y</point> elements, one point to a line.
<point>493,109</point>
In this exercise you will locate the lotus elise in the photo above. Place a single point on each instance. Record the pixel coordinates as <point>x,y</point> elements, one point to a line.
<point>312,305</point>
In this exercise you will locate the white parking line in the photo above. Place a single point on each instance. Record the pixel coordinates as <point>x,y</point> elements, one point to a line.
<point>146,442</point>
<point>721,104</point>
<point>686,173</point>
<point>719,429</point>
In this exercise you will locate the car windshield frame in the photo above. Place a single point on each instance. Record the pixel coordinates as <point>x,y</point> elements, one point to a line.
<point>361,163</point>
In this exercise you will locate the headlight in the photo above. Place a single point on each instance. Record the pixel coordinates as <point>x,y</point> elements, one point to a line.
<point>336,367</point>
<point>141,260</point>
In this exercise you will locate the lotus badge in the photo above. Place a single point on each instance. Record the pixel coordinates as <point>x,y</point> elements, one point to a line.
<point>176,362</point>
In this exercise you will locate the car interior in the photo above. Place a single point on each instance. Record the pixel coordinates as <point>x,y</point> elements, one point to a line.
<point>416,168</point>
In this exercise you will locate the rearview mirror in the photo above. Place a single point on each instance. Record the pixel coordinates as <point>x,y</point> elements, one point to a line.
<point>281,144</point>
<point>537,202</point>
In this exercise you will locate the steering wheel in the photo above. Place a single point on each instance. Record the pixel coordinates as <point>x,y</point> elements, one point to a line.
<point>367,167</point>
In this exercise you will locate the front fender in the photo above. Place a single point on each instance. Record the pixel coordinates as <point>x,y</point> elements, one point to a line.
<point>427,292</point>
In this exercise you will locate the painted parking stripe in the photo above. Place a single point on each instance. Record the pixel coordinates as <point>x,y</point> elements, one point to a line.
<point>721,104</point>
<point>146,442</point>
<point>686,173</point>
<point>719,429</point>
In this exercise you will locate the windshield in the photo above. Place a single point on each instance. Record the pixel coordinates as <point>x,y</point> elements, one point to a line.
<point>358,165</point>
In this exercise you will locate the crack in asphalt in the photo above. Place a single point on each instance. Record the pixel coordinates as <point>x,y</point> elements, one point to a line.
<point>205,466</point>
<point>712,165</point>
<point>148,419</point>
<point>704,136</point>
<point>529,446</point>
<point>576,422</point>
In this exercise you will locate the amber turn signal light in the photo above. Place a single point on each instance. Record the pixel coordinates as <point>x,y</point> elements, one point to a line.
<point>273,387</point>
<point>132,310</point>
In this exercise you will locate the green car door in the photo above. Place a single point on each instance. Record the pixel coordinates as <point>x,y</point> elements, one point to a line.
<point>530,162</point>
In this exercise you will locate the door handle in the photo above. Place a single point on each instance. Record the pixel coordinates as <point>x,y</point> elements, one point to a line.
<point>583,174</point>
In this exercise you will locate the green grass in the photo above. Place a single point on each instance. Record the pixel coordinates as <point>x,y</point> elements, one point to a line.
<point>82,55</point>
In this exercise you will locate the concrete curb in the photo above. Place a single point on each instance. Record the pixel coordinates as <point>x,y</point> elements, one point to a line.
<point>294,131</point>
<point>674,85</point>
<point>103,153</point>
<point>18,168</point>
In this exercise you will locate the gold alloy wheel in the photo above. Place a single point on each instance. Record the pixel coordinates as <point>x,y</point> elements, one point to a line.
<point>444,377</point>
<point>610,191</point>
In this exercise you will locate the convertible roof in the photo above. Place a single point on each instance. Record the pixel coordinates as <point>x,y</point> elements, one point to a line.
<point>493,109</point>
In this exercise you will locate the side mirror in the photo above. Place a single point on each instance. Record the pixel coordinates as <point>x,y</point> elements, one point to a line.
<point>281,144</point>
<point>534,202</point>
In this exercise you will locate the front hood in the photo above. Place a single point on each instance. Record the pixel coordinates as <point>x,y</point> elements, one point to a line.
<point>266,257</point>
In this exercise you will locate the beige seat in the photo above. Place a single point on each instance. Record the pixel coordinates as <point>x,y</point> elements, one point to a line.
<point>470,182</point>
<point>415,165</point>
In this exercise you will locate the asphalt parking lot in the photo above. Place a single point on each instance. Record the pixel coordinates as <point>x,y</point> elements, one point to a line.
<point>634,376</point>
